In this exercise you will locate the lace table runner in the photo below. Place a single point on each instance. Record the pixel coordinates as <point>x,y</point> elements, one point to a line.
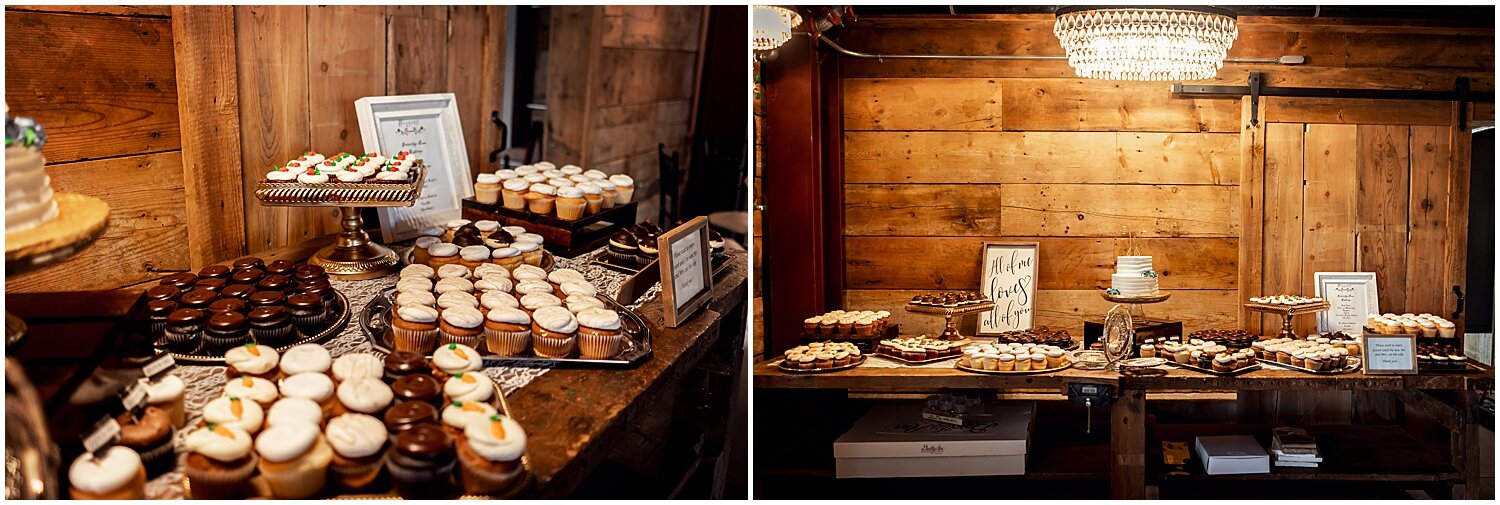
<point>204,383</point>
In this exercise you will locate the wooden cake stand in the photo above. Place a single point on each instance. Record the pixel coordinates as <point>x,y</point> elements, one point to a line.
<point>80,220</point>
<point>950,331</point>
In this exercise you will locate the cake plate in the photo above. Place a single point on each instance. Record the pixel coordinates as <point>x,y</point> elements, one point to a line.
<point>79,222</point>
<point>950,331</point>
<point>353,256</point>
<point>1135,302</point>
<point>1287,312</point>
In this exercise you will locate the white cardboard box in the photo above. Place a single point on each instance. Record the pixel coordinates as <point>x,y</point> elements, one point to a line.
<point>894,441</point>
<point>1232,455</point>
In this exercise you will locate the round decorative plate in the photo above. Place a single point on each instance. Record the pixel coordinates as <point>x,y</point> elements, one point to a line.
<point>1156,298</point>
<point>340,320</point>
<point>861,361</point>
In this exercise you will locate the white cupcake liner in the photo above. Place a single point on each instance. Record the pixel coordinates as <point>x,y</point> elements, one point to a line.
<point>416,341</point>
<point>599,345</point>
<point>445,338</point>
<point>507,343</point>
<point>554,347</point>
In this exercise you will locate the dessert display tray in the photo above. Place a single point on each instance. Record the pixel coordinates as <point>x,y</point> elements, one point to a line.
<point>892,331</point>
<point>972,308</point>
<point>343,194</point>
<point>781,365</point>
<point>1015,372</point>
<point>375,320</point>
<point>548,260</point>
<point>1238,371</point>
<point>905,361</point>
<point>1292,310</point>
<point>341,313</point>
<point>1353,365</point>
<point>263,491</point>
<point>1156,298</point>
<point>568,238</point>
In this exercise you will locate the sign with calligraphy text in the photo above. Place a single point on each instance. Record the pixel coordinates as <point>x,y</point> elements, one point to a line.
<point>1008,277</point>
<point>1351,296</point>
<point>686,274</point>
<point>428,127</point>
<point>1390,354</point>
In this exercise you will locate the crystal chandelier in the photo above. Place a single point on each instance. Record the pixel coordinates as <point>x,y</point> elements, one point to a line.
<point>772,26</point>
<point>1146,44</point>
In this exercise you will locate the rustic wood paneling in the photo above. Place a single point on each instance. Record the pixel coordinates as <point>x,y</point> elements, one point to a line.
<point>159,11</point>
<point>274,121</point>
<point>492,75</point>
<point>1383,170</point>
<point>1426,288</point>
<point>652,27</point>
<point>1041,157</point>
<point>1097,105</point>
<point>1456,245</point>
<point>208,103</point>
<point>1328,207</point>
<point>148,228</point>
<point>631,76</point>
<point>637,129</point>
<point>343,65</point>
<point>575,31</point>
<point>416,50</point>
<point>1065,309</point>
<point>927,209</point>
<point>466,46</point>
<point>1106,210</point>
<point>101,85</point>
<point>1252,209</point>
<point>1064,262</point>
<point>1357,111</point>
<point>1282,225</point>
<point>922,104</point>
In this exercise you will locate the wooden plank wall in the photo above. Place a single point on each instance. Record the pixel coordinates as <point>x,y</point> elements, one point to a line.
<point>943,155</point>
<point>302,67</point>
<point>758,117</point>
<point>114,133</point>
<point>626,84</point>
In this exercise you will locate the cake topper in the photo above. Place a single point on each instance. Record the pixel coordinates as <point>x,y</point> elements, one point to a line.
<point>25,132</point>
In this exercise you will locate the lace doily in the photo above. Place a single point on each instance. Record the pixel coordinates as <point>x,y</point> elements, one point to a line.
<point>204,383</point>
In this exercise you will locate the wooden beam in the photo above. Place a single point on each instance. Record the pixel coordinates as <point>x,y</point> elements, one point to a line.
<point>492,79</point>
<point>1127,433</point>
<point>274,127</point>
<point>208,105</point>
<point>1252,210</point>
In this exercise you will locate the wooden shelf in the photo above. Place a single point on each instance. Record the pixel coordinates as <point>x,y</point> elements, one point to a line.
<point>1351,453</point>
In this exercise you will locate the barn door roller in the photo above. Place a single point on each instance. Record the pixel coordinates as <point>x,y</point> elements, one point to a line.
<point>1255,89</point>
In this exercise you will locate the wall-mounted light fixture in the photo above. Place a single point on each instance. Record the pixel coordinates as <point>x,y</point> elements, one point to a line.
<point>771,27</point>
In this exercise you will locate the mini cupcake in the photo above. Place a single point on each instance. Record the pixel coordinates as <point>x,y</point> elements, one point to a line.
<point>418,387</point>
<point>234,411</point>
<point>442,254</point>
<point>461,325</point>
<point>219,463</point>
<point>167,394</point>
<point>459,415</point>
<point>415,328</point>
<point>418,271</point>
<point>184,330</point>
<point>313,386</point>
<point>358,442</point>
<point>422,298</point>
<point>454,358</point>
<point>294,460</point>
<point>473,255</point>
<point>507,330</point>
<point>570,203</point>
<point>256,389</point>
<point>494,283</point>
<point>456,299</point>
<point>405,415</point>
<point>513,193</point>
<point>554,331</point>
<point>531,252</point>
<point>294,410</point>
<point>116,475</point>
<point>593,197</point>
<point>507,257</point>
<point>491,300</point>
<point>456,270</point>
<point>487,188</point>
<point>305,358</point>
<point>252,359</point>
<point>468,387</point>
<point>365,395</point>
<point>599,334</point>
<point>540,198</point>
<point>271,326</point>
<point>624,188</point>
<point>400,364</point>
<point>491,270</point>
<point>150,436</point>
<point>307,313</point>
<point>458,284</point>
<point>490,455</point>
<point>421,463</point>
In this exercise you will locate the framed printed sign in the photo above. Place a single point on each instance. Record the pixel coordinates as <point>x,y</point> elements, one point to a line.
<point>1351,296</point>
<point>1390,354</point>
<point>427,126</point>
<point>686,273</point>
<point>1008,276</point>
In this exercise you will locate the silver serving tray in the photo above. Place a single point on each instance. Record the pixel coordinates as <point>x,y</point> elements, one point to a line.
<point>340,320</point>
<point>375,320</point>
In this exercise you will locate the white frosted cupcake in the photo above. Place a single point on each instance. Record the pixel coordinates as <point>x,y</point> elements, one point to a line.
<point>251,359</point>
<point>359,364</point>
<point>494,283</point>
<point>256,389</point>
<point>513,193</point>
<point>294,410</point>
<point>117,475</point>
<point>365,395</point>
<point>453,284</point>
<point>442,254</point>
<point>593,197</point>
<point>571,170</point>
<point>313,386</point>
<point>506,257</point>
<point>458,415</point>
<point>607,189</point>
<point>468,387</point>
<point>624,188</point>
<point>490,270</point>
<point>415,284</point>
<point>456,270</point>
<point>461,324</point>
<point>528,272</point>
<point>540,198</point>
<point>414,328</point>
<point>599,334</point>
<point>531,252</point>
<point>473,256</point>
<point>554,331</point>
<point>306,358</point>
<point>422,298</point>
<point>565,275</point>
<point>419,271</point>
<point>578,304</point>
<point>359,442</point>
<point>451,359</point>
<point>294,460</point>
<point>532,286</point>
<point>596,175</point>
<point>235,411</point>
<point>168,394</point>
<point>507,330</point>
<point>536,301</point>
<point>571,289</point>
<point>570,202</point>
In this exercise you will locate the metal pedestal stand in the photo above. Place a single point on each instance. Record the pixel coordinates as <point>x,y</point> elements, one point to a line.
<point>353,256</point>
<point>950,331</point>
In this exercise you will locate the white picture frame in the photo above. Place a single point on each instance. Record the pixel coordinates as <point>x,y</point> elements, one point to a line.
<point>1351,296</point>
<point>1008,277</point>
<point>428,126</point>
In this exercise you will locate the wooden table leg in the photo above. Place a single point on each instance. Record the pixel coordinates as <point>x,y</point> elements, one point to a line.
<point>1127,469</point>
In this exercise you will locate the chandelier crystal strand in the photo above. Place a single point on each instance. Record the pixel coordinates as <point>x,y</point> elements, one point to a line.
<point>1146,44</point>
<point>772,26</point>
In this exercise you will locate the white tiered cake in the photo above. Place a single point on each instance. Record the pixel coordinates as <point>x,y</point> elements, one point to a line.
<point>28,189</point>
<point>1134,277</point>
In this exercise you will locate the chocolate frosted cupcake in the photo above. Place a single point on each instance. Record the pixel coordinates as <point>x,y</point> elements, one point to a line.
<point>197,299</point>
<point>249,262</point>
<point>281,267</point>
<point>225,330</point>
<point>417,388</point>
<point>228,305</point>
<point>267,298</point>
<point>241,291</point>
<point>219,462</point>
<point>210,284</point>
<point>309,272</point>
<point>275,282</point>
<point>623,248</point>
<point>163,292</point>
<point>323,290</point>
<point>400,364</point>
<point>249,276</point>
<point>308,312</point>
<point>156,316</point>
<point>271,326</point>
<point>406,415</point>
<point>151,436</point>
<point>421,463</point>
<point>181,280</point>
<point>214,272</point>
<point>184,330</point>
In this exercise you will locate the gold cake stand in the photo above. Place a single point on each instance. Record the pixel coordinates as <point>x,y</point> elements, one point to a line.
<point>950,331</point>
<point>353,256</point>
<point>1287,312</point>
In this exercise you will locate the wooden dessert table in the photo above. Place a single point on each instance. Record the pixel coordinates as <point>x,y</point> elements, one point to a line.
<point>1444,397</point>
<point>576,419</point>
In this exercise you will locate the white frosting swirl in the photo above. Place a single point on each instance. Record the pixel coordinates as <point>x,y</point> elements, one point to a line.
<point>622,180</point>
<point>306,358</point>
<point>487,179</point>
<point>601,319</point>
<point>571,169</point>
<point>463,317</point>
<point>528,272</point>
<point>510,315</point>
<point>595,174</point>
<point>419,284</point>
<point>254,388</point>
<point>474,253</point>
<point>221,411</point>
<point>530,237</point>
<point>570,192</point>
<point>535,301</point>
<point>555,319</point>
<point>517,184</point>
<point>294,410</point>
<point>453,284</point>
<point>456,299</point>
<point>310,385</point>
<point>578,289</point>
<point>533,286</point>
<point>285,442</point>
<point>504,252</point>
<point>105,474</point>
<point>223,443</point>
<point>543,189</point>
<point>506,174</point>
<point>454,270</point>
<point>535,179</point>
<point>492,299</point>
<point>252,359</point>
<point>605,185</point>
<point>486,225</point>
<point>560,183</point>
<point>469,387</point>
<point>563,275</point>
<point>514,230</point>
<point>494,283</point>
<point>422,298</point>
<point>459,417</point>
<point>356,435</point>
<point>417,313</point>
<point>167,389</point>
<point>581,303</point>
<point>365,394</point>
<point>485,442</point>
<point>488,270</point>
<point>525,246</point>
<point>454,224</point>
<point>419,270</point>
<point>589,188</point>
<point>544,165</point>
<point>442,250</point>
<point>455,358</point>
<point>358,364</point>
